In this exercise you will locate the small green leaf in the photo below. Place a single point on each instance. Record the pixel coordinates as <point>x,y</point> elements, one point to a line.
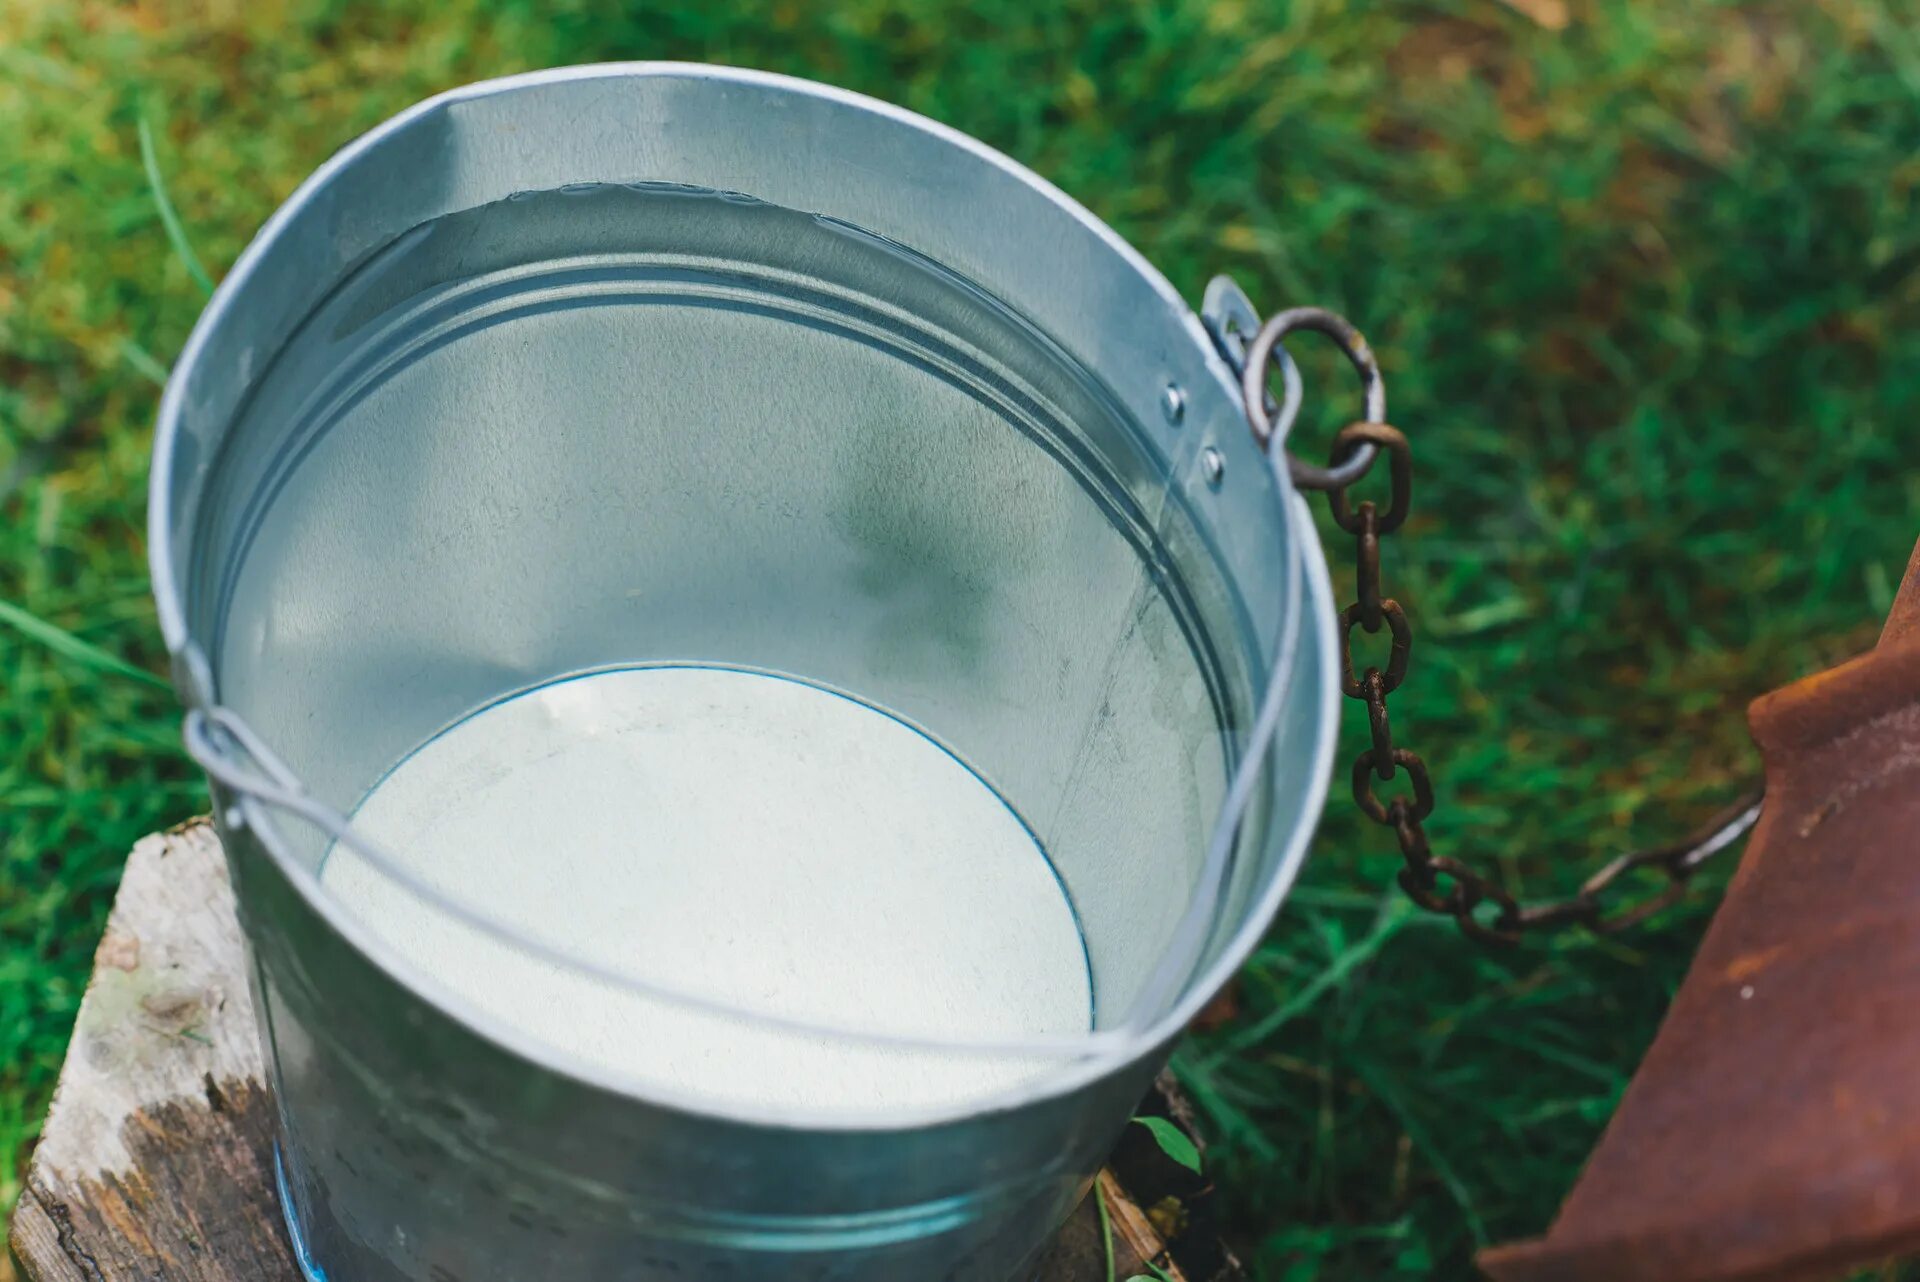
<point>1172,1141</point>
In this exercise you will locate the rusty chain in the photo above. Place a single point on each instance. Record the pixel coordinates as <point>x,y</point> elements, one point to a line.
<point>1438,883</point>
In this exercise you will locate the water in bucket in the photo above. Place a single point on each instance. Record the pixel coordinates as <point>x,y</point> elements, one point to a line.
<point>772,845</point>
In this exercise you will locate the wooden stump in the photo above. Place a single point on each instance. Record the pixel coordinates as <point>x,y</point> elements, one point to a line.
<point>156,1161</point>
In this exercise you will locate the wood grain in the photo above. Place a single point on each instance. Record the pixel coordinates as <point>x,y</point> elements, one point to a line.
<point>156,1161</point>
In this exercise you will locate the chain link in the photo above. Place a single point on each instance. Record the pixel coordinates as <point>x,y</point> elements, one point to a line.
<point>1438,883</point>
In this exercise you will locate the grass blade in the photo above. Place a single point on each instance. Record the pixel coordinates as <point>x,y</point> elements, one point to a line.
<point>144,361</point>
<point>1384,1089</point>
<point>169,217</point>
<point>69,646</point>
<point>1106,1224</point>
<point>1236,1128</point>
<point>1362,951</point>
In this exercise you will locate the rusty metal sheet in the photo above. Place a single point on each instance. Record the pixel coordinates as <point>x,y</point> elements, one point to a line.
<point>1773,1132</point>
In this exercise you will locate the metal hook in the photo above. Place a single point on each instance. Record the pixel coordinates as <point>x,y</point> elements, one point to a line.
<point>203,730</point>
<point>1267,429</point>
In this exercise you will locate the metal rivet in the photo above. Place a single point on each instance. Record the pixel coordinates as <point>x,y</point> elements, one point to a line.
<point>1213,467</point>
<point>1173,403</point>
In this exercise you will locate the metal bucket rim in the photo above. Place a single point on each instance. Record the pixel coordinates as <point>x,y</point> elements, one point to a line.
<point>1076,1067</point>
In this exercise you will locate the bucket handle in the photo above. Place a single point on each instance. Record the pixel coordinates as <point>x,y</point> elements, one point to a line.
<point>212,735</point>
<point>234,755</point>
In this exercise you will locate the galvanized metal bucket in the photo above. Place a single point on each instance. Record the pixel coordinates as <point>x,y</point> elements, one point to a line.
<point>623,365</point>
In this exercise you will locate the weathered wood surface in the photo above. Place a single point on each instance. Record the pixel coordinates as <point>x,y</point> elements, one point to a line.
<point>156,1161</point>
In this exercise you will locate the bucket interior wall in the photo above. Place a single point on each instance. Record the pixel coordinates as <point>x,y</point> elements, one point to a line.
<point>617,425</point>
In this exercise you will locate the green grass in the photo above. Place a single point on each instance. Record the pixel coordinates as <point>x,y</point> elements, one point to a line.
<point>1647,293</point>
